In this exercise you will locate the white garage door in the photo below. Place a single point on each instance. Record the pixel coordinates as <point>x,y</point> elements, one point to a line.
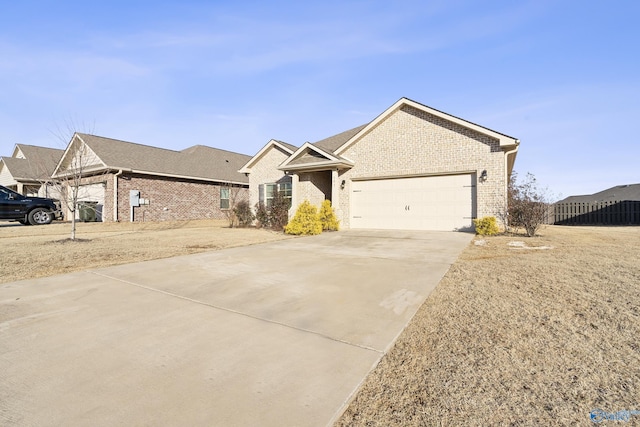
<point>422,203</point>
<point>92,193</point>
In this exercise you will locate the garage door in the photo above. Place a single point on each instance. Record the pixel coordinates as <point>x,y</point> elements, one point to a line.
<point>93,193</point>
<point>422,203</point>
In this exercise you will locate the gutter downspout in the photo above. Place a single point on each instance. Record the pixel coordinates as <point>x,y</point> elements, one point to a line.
<point>506,177</point>
<point>115,195</point>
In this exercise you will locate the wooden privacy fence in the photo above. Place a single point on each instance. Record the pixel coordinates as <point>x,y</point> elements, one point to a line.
<point>623,212</point>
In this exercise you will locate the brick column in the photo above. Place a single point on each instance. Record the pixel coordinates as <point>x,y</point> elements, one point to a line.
<point>335,192</point>
<point>294,194</point>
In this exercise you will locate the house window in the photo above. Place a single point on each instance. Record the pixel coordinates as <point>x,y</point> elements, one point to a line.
<point>224,197</point>
<point>270,191</point>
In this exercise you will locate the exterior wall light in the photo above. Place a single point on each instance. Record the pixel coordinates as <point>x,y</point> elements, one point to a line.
<point>483,175</point>
<point>342,184</point>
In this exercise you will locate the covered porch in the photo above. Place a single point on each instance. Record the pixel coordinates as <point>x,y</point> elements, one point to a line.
<point>316,175</point>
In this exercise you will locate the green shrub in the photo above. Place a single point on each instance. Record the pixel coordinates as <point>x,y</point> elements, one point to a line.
<point>262,215</point>
<point>328,217</point>
<point>243,213</point>
<point>486,226</point>
<point>305,222</point>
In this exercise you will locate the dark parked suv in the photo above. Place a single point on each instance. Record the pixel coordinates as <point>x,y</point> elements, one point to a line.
<point>28,210</point>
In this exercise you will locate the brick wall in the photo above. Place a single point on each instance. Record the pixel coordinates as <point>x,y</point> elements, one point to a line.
<point>413,142</point>
<point>170,199</point>
<point>314,187</point>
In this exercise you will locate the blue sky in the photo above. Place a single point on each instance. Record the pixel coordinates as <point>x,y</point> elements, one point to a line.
<point>562,76</point>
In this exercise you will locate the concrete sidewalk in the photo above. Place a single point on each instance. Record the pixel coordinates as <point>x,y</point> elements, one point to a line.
<point>275,334</point>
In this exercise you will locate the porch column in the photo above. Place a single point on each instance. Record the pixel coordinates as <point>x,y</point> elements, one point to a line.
<point>335,192</point>
<point>294,194</point>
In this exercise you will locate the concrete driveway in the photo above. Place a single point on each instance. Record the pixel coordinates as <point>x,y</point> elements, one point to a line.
<point>277,334</point>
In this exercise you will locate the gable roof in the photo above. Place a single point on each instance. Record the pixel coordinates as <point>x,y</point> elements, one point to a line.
<point>310,157</point>
<point>617,193</point>
<point>32,163</point>
<point>198,162</point>
<point>20,169</point>
<point>333,147</point>
<point>274,143</point>
<point>505,140</point>
<point>328,152</point>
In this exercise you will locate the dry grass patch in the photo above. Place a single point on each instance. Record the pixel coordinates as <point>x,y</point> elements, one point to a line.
<point>38,251</point>
<point>516,336</point>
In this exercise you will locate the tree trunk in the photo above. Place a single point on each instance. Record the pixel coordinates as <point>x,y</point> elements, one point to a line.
<point>73,225</point>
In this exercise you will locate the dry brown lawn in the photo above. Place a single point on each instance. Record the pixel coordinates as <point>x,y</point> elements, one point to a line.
<point>515,336</point>
<point>37,251</point>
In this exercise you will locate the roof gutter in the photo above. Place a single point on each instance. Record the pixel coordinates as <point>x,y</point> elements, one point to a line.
<point>193,178</point>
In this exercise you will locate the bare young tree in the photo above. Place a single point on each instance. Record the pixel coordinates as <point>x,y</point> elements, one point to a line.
<point>528,204</point>
<point>68,177</point>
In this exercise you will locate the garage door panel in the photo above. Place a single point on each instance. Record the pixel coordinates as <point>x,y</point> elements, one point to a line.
<point>423,203</point>
<point>92,193</point>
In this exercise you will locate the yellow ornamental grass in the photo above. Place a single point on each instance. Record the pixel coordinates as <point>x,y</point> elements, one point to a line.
<point>305,222</point>
<point>328,217</point>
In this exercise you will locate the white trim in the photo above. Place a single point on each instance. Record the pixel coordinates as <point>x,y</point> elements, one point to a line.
<point>331,160</point>
<point>67,151</point>
<point>247,167</point>
<point>17,150</point>
<point>505,141</point>
<point>410,175</point>
<point>318,166</point>
<point>166,175</point>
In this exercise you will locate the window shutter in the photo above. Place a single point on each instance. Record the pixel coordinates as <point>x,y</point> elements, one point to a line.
<point>261,193</point>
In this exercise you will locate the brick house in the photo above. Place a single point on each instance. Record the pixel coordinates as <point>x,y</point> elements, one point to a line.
<point>412,167</point>
<point>198,182</point>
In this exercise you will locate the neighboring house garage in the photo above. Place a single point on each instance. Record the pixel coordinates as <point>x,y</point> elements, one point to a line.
<point>92,197</point>
<point>412,167</point>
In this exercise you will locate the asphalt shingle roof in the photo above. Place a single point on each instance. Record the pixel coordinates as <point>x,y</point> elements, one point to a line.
<point>198,161</point>
<point>38,164</point>
<point>617,193</point>
<point>289,146</point>
<point>334,142</point>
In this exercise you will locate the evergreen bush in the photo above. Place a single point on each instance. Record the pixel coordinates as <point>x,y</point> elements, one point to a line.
<point>305,222</point>
<point>328,217</point>
<point>486,226</point>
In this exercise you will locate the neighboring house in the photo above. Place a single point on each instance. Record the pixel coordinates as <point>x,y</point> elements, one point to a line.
<point>198,182</point>
<point>412,167</point>
<point>628,192</point>
<point>28,171</point>
<point>619,205</point>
